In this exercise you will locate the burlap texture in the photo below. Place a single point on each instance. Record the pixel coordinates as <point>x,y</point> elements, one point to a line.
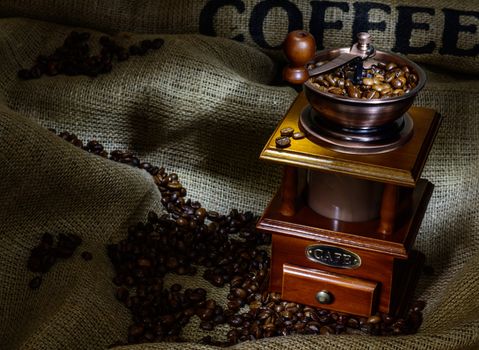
<point>421,23</point>
<point>202,107</point>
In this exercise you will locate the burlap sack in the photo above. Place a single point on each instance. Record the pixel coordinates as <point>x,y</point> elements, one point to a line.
<point>203,108</point>
<point>441,32</point>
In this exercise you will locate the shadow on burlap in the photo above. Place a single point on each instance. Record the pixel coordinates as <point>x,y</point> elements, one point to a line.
<point>202,108</point>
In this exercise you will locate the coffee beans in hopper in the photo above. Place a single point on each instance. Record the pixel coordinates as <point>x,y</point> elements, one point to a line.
<point>381,80</point>
<point>231,252</point>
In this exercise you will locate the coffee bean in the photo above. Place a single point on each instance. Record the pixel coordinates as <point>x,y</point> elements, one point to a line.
<point>372,95</point>
<point>147,44</point>
<point>35,282</point>
<point>122,293</point>
<point>47,238</point>
<point>24,74</point>
<point>157,43</point>
<point>287,131</point>
<point>35,72</point>
<point>415,319</point>
<point>74,239</point>
<point>239,293</point>
<point>182,221</point>
<point>353,323</point>
<point>174,185</point>
<point>211,304</point>
<point>143,263</point>
<point>176,287</point>
<point>234,304</point>
<point>136,330</point>
<point>283,142</point>
<point>388,320</point>
<point>298,135</point>
<point>217,280</point>
<point>353,91</point>
<point>336,90</point>
<point>418,305</point>
<point>235,321</point>
<point>134,50</point>
<point>326,330</point>
<point>200,213</point>
<point>219,319</point>
<point>368,81</point>
<point>331,79</point>
<point>232,336</point>
<point>207,326</point>
<point>269,327</point>
<point>122,55</point>
<point>374,319</point>
<point>205,314</point>
<point>87,256</point>
<point>396,83</point>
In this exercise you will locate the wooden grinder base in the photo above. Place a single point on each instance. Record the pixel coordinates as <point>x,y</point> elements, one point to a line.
<point>389,267</point>
<point>386,267</point>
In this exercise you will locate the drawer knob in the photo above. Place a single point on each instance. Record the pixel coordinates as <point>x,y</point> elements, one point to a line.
<point>324,297</point>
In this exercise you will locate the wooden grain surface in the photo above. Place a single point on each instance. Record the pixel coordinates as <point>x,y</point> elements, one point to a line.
<point>402,166</point>
<point>351,295</point>
<point>374,266</point>
<point>308,224</point>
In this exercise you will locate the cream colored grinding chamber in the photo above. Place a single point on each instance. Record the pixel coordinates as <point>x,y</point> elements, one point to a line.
<point>342,197</point>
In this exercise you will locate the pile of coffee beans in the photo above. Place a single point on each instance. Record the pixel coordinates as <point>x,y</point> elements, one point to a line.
<point>97,148</point>
<point>74,57</point>
<point>232,254</point>
<point>381,80</point>
<point>287,133</point>
<point>178,243</point>
<point>48,251</point>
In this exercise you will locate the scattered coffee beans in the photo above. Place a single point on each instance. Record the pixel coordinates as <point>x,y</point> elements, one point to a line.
<point>45,254</point>
<point>74,57</point>
<point>284,140</point>
<point>187,236</point>
<point>382,80</point>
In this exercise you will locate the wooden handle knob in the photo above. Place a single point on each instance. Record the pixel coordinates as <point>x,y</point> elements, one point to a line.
<point>299,48</point>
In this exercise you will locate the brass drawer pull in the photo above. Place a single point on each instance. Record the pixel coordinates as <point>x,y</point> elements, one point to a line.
<point>324,297</point>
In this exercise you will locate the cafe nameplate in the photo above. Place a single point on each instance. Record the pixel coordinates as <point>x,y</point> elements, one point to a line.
<point>333,256</point>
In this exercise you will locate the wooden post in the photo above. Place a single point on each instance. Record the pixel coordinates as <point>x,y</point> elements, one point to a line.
<point>388,209</point>
<point>299,47</point>
<point>289,190</point>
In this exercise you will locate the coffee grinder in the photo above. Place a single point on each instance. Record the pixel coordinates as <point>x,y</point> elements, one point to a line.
<point>351,201</point>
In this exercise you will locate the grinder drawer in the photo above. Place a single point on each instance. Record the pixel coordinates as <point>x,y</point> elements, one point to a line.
<point>325,289</point>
